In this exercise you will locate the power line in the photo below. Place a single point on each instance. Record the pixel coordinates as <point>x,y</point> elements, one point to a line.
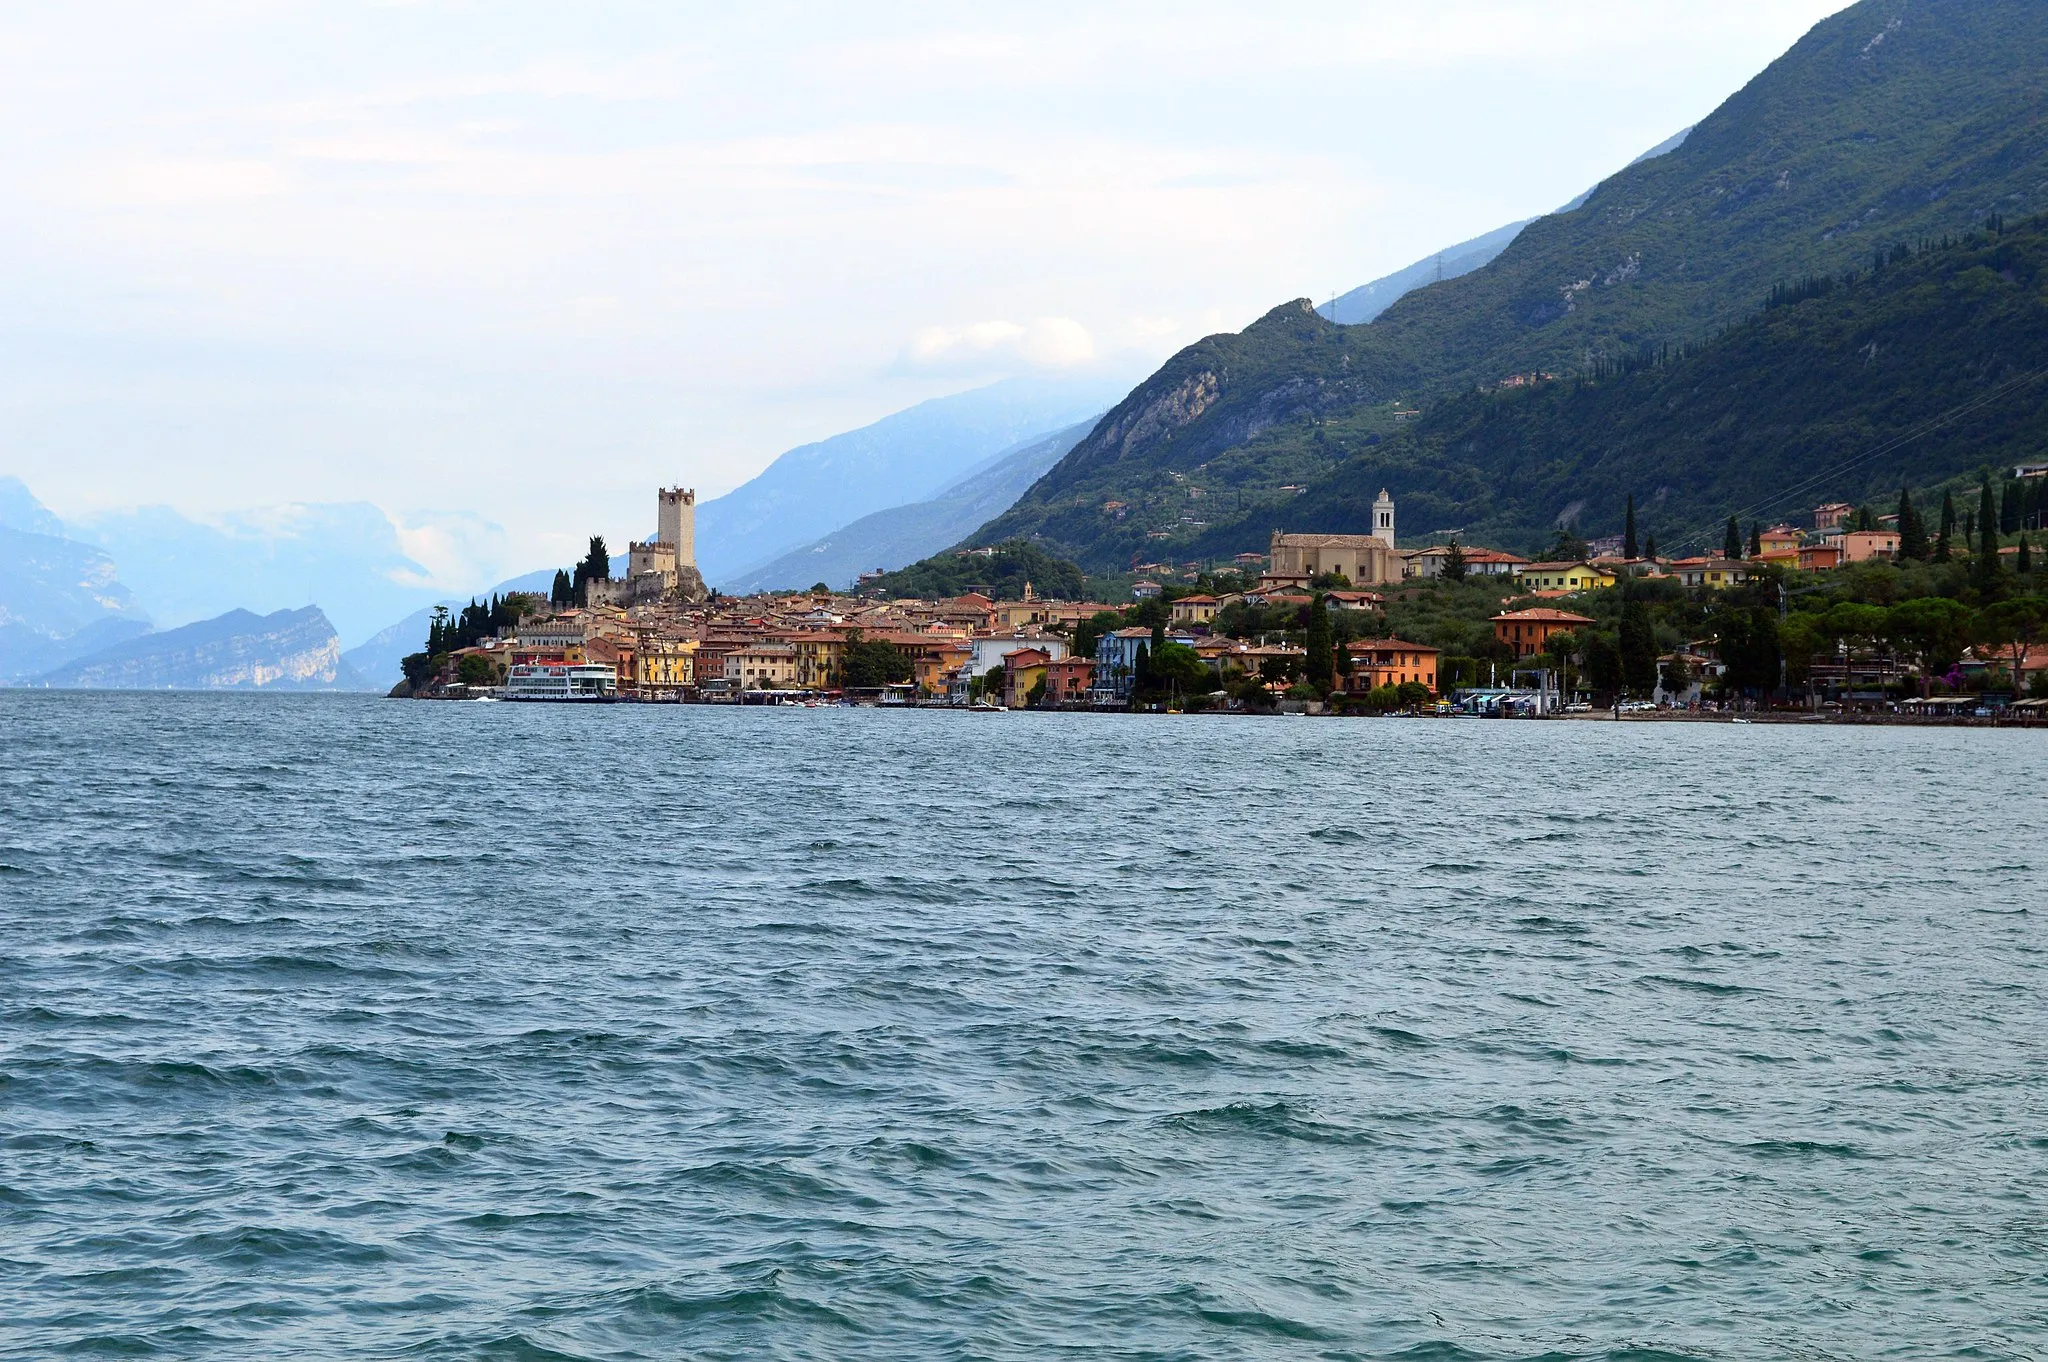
<point>1892,445</point>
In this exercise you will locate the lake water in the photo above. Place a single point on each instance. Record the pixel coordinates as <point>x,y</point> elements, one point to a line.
<point>334,1027</point>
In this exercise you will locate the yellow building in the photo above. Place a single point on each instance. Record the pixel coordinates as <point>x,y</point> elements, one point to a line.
<point>1196,609</point>
<point>1566,577</point>
<point>818,655</point>
<point>664,666</point>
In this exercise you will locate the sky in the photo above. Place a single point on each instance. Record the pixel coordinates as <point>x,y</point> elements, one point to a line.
<point>500,268</point>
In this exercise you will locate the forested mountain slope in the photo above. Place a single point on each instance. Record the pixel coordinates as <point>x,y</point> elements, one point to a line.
<point>1892,121</point>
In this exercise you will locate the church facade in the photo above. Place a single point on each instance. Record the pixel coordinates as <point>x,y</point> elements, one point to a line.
<point>1363,559</point>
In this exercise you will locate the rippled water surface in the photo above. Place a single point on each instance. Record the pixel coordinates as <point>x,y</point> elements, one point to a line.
<point>335,1027</point>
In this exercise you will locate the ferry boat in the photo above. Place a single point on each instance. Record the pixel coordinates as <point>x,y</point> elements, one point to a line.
<point>581,683</point>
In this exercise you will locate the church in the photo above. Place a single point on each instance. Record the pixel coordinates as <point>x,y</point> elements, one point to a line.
<point>1363,559</point>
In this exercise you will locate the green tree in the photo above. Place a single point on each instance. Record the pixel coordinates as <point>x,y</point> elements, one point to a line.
<point>1987,544</point>
<point>1600,656</point>
<point>1178,672</point>
<point>1650,546</point>
<point>1454,563</point>
<point>2012,628</point>
<point>1933,631</point>
<point>1748,639</point>
<point>477,670</point>
<point>2025,562</point>
<point>1628,533</point>
<point>1912,530</point>
<point>1638,645</point>
<point>1567,547</point>
<point>1756,539</point>
<point>1731,541</point>
<point>2011,507</point>
<point>1676,675</point>
<point>869,663</point>
<point>595,567</point>
<point>1942,550</point>
<point>1321,662</point>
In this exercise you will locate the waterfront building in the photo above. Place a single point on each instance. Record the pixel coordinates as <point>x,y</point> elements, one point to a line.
<point>1023,669</point>
<point>1069,681</point>
<point>1529,632</point>
<point>762,666</point>
<point>1391,662</point>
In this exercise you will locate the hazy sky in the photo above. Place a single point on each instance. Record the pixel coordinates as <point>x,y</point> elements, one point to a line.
<point>517,262</point>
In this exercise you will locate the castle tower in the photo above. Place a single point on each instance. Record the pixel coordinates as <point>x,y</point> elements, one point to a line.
<point>676,524</point>
<point>1383,519</point>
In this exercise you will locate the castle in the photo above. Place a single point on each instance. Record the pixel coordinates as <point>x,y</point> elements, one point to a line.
<point>665,565</point>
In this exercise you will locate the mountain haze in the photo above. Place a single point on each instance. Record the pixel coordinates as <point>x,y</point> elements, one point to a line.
<point>899,460</point>
<point>903,534</point>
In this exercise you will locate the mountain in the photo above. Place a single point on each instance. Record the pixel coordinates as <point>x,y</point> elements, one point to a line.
<point>286,650</point>
<point>1920,373</point>
<point>345,555</point>
<point>1893,120</point>
<point>1368,301</point>
<point>19,510</point>
<point>59,599</point>
<point>903,534</point>
<point>909,457</point>
<point>377,659</point>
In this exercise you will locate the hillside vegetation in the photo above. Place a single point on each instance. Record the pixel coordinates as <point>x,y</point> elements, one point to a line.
<point>1891,122</point>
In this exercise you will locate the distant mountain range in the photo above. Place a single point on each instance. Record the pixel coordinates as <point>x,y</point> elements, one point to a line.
<point>1366,302</point>
<point>1894,120</point>
<point>59,599</point>
<point>344,555</point>
<point>909,457</point>
<point>286,650</point>
<point>890,539</point>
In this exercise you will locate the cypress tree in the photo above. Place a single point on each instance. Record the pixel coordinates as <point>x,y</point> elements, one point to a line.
<point>1638,648</point>
<point>1321,663</point>
<point>2010,507</point>
<point>1756,540</point>
<point>1628,534</point>
<point>2026,560</point>
<point>1141,674</point>
<point>1987,545</point>
<point>1649,546</point>
<point>1948,527</point>
<point>1912,530</point>
<point>1731,542</point>
<point>1454,564</point>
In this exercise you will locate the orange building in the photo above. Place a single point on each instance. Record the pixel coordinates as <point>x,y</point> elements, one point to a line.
<point>1391,662</point>
<point>1529,632</point>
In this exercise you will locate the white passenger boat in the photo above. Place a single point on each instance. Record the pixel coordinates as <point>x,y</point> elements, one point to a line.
<point>579,683</point>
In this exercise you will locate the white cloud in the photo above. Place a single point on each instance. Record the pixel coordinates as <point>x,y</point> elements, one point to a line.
<point>1047,343</point>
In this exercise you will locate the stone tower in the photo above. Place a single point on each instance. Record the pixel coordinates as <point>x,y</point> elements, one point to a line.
<point>676,524</point>
<point>1383,519</point>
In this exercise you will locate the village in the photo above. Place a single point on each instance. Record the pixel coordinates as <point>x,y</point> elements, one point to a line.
<point>1318,606</point>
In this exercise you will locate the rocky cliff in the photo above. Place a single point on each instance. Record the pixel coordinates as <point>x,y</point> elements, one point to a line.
<point>287,650</point>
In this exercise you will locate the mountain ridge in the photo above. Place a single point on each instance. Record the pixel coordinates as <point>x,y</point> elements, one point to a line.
<point>1840,146</point>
